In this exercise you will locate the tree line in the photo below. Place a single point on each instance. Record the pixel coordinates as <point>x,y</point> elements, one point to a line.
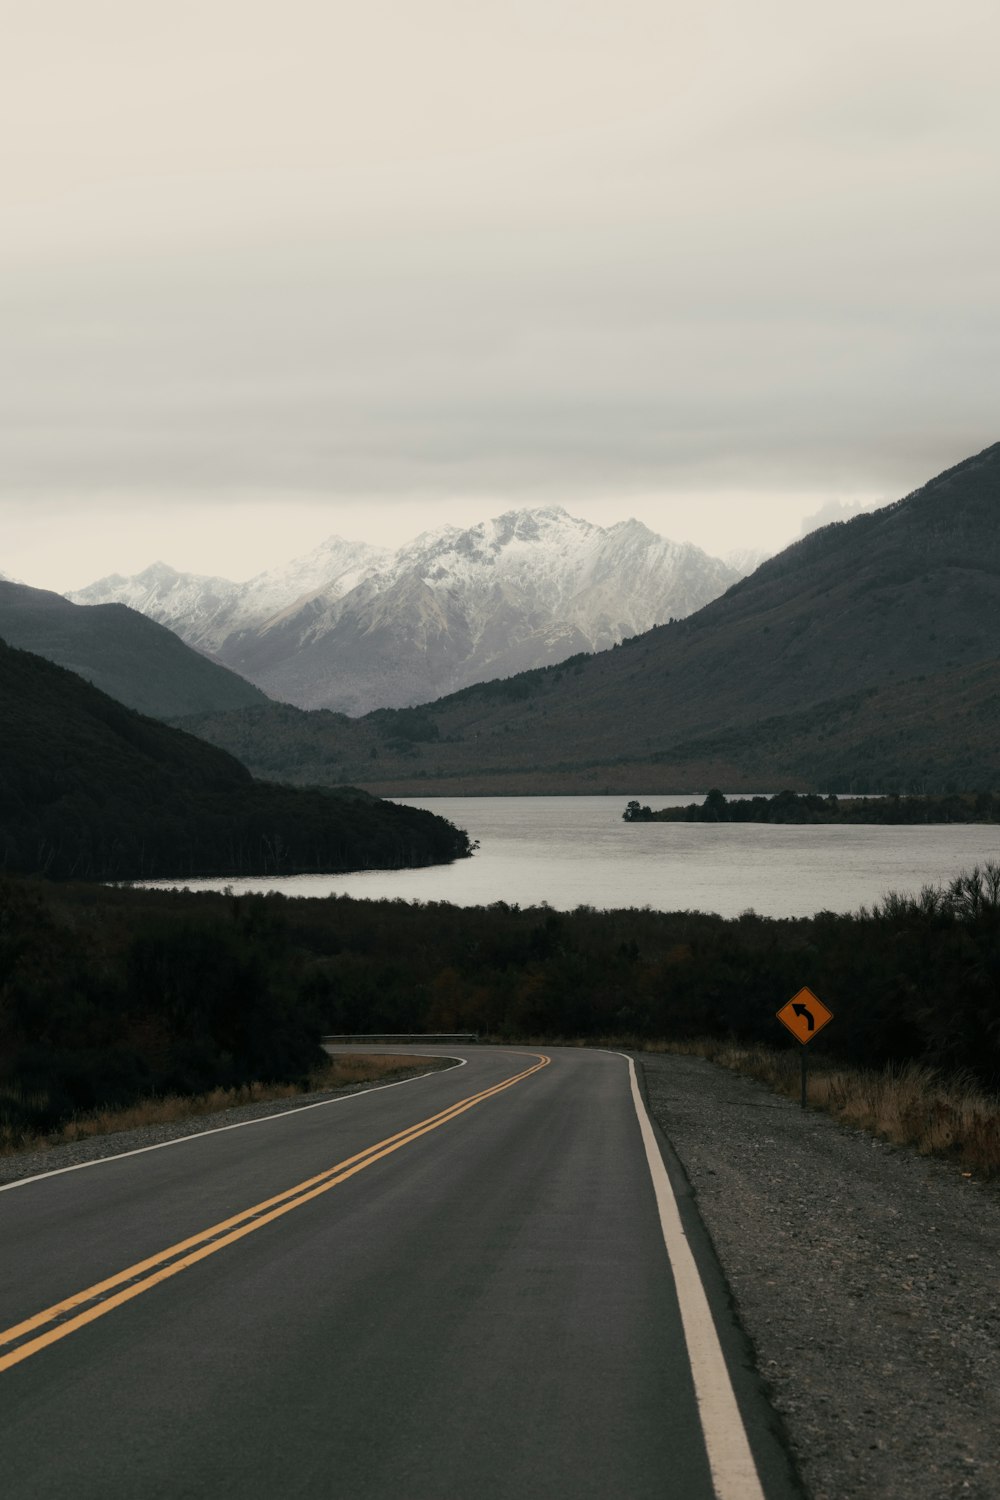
<point>110,994</point>
<point>813,807</point>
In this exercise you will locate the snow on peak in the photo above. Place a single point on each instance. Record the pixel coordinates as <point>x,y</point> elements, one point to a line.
<point>353,626</point>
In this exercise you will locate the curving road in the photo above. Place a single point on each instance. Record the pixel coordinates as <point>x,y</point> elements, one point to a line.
<point>454,1287</point>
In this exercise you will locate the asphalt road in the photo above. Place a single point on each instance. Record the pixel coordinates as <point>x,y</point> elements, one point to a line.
<point>456,1287</point>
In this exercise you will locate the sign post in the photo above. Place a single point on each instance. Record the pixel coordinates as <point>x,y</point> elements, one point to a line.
<point>805,1015</point>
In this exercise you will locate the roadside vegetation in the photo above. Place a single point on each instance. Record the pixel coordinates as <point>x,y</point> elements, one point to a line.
<point>111,995</point>
<point>340,1072</point>
<point>907,1104</point>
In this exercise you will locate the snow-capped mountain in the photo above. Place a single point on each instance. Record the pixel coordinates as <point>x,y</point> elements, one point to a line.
<point>352,628</point>
<point>206,611</point>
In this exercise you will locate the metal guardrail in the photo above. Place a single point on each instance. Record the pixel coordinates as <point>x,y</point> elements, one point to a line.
<point>402,1036</point>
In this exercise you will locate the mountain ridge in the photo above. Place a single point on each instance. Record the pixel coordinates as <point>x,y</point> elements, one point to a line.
<point>122,652</point>
<point>451,607</point>
<point>901,602</point>
<point>213,608</point>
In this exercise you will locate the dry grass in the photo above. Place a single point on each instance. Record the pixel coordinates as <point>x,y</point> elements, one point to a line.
<point>908,1105</point>
<point>339,1072</point>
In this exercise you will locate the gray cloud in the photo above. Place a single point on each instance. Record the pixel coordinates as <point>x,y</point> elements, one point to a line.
<point>605,252</point>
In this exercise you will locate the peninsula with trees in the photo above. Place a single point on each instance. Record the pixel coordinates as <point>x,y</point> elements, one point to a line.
<point>812,807</point>
<point>91,790</point>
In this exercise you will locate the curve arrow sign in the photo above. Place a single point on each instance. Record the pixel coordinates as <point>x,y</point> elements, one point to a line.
<point>805,1015</point>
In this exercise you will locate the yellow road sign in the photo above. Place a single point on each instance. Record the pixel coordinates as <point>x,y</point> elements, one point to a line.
<point>804,1015</point>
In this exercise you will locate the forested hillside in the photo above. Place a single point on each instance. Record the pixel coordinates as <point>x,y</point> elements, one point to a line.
<point>90,789</point>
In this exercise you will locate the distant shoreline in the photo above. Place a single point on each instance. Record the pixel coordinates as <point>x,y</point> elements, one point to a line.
<point>813,807</point>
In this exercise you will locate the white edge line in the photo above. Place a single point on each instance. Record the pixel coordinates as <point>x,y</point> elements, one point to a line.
<point>199,1135</point>
<point>734,1473</point>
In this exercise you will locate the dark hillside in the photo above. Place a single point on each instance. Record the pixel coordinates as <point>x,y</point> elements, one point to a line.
<point>858,651</point>
<point>121,652</point>
<point>911,588</point>
<point>89,788</point>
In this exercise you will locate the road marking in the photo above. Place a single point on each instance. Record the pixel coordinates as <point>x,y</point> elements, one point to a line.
<point>734,1473</point>
<point>199,1135</point>
<point>115,1290</point>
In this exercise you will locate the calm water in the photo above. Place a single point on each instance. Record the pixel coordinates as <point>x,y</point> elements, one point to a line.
<point>577,851</point>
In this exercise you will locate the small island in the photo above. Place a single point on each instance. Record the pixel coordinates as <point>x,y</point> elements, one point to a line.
<point>813,807</point>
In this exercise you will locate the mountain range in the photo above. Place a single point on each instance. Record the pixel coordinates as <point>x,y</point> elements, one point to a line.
<point>120,651</point>
<point>865,655</point>
<point>352,627</point>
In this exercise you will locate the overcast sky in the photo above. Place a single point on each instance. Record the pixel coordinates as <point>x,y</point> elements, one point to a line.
<point>271,269</point>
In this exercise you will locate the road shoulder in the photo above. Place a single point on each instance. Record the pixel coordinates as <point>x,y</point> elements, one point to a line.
<point>18,1166</point>
<point>864,1277</point>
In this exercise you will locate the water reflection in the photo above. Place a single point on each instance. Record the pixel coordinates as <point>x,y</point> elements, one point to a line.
<point>577,851</point>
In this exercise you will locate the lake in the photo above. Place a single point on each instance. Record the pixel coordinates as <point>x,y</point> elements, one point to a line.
<point>577,851</point>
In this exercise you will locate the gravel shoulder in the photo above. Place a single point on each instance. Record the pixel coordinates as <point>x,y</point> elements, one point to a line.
<point>866,1277</point>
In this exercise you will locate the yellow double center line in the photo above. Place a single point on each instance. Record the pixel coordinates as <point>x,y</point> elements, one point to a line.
<point>65,1317</point>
